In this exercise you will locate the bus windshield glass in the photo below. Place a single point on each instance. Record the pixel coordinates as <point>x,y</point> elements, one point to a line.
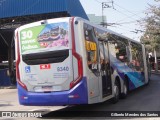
<point>44,37</point>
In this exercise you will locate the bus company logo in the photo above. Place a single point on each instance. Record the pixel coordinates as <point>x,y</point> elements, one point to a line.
<point>45,66</point>
<point>27,69</point>
<point>16,114</point>
<point>6,114</point>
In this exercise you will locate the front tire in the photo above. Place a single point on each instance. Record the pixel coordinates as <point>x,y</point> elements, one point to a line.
<point>125,90</point>
<point>116,92</point>
<point>149,79</point>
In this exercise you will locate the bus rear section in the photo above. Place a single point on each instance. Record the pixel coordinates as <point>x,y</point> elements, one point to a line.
<point>48,69</point>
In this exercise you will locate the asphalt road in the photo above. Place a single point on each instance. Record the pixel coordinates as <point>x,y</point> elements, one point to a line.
<point>146,98</point>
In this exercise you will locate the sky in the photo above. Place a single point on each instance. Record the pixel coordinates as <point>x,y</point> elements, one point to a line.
<point>125,13</point>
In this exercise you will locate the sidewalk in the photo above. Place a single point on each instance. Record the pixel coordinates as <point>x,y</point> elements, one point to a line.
<point>9,102</point>
<point>157,73</point>
<point>8,87</point>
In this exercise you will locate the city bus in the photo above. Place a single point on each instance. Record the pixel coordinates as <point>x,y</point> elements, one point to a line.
<point>70,61</point>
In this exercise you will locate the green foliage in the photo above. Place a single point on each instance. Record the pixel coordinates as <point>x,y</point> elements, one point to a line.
<point>151,36</point>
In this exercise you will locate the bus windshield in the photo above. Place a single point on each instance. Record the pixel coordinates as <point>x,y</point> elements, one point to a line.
<point>44,37</point>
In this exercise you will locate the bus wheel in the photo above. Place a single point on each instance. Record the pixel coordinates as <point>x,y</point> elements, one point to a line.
<point>125,90</point>
<point>149,79</point>
<point>116,92</point>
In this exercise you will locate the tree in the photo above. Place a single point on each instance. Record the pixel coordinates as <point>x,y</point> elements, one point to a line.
<point>151,37</point>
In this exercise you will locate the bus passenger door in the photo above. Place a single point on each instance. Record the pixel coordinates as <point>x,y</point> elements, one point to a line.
<point>105,69</point>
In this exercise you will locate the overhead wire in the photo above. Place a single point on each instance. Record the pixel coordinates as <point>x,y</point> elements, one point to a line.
<point>119,23</point>
<point>129,22</point>
<point>127,10</point>
<point>127,18</point>
<point>125,14</point>
<point>124,28</point>
<point>98,1</point>
<point>130,17</point>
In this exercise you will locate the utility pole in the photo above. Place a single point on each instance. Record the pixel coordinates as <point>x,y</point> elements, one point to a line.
<point>105,5</point>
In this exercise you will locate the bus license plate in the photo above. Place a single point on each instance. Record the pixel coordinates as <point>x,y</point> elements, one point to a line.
<point>47,88</point>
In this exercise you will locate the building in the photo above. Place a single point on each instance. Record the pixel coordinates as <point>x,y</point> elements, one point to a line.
<point>96,19</point>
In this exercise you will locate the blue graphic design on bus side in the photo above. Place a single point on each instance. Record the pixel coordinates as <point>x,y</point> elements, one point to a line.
<point>135,78</point>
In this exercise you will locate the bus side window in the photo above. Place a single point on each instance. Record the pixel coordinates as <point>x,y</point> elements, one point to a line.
<point>91,48</point>
<point>92,59</point>
<point>137,61</point>
<point>121,53</point>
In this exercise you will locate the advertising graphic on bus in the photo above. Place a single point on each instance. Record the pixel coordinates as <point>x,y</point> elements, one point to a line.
<point>44,36</point>
<point>65,61</point>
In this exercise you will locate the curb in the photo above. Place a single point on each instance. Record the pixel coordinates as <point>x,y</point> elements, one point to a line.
<point>157,73</point>
<point>8,87</point>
